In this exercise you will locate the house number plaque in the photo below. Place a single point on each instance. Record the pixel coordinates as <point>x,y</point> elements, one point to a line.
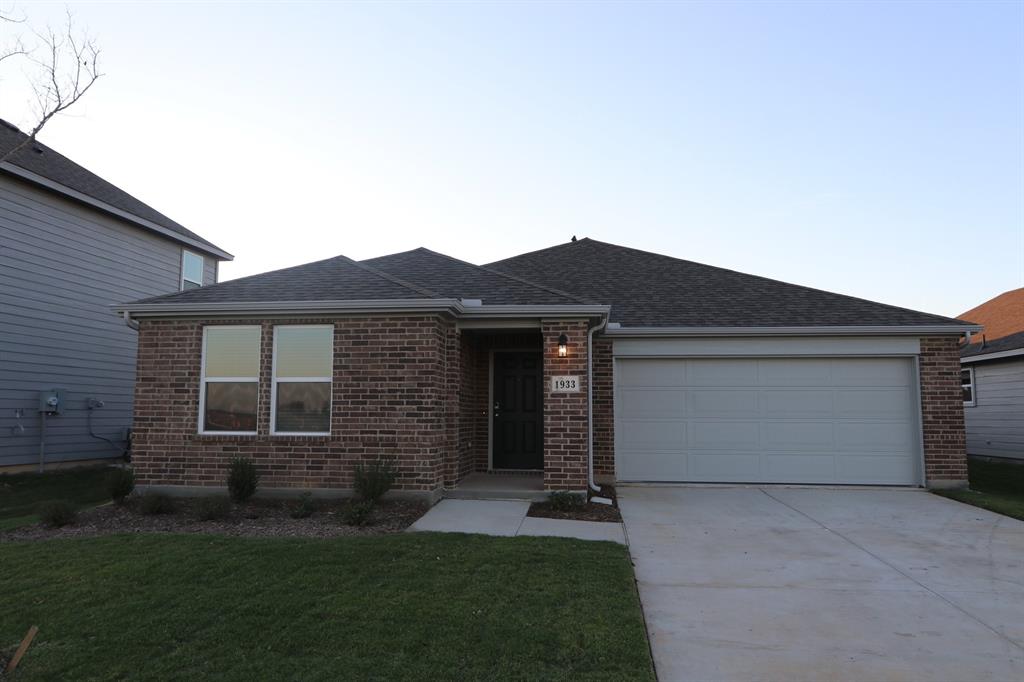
<point>565,384</point>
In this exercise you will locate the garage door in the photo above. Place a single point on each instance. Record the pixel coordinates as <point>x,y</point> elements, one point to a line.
<point>766,420</point>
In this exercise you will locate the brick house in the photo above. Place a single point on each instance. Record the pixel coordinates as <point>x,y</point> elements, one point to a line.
<point>579,363</point>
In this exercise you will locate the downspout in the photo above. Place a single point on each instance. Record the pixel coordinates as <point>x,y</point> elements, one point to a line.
<point>590,404</point>
<point>132,324</point>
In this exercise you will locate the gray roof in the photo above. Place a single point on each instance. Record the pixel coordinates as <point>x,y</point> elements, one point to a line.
<point>651,290</point>
<point>453,278</point>
<point>1011,342</point>
<point>39,159</point>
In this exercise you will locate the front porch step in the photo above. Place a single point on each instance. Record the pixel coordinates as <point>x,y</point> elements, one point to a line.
<point>499,486</point>
<point>495,494</point>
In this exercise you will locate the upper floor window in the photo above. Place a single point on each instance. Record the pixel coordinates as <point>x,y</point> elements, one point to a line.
<point>301,390</point>
<point>967,384</point>
<point>230,383</point>
<point>191,270</point>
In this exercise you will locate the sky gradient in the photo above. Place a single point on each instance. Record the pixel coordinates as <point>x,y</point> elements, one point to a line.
<point>872,149</point>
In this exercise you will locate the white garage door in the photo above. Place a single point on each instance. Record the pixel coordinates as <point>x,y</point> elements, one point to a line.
<point>766,420</point>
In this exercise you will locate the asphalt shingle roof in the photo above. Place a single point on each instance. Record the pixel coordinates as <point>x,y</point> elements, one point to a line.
<point>1011,342</point>
<point>651,290</point>
<point>37,158</point>
<point>453,278</point>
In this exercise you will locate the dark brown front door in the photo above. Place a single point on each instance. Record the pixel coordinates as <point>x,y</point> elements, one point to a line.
<point>518,433</point>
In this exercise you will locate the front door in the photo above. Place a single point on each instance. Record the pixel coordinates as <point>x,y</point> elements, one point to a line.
<point>518,426</point>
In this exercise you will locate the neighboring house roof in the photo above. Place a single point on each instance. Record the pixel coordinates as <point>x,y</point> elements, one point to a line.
<point>1001,316</point>
<point>643,290</point>
<point>453,278</point>
<point>651,290</point>
<point>41,165</point>
<point>1007,346</point>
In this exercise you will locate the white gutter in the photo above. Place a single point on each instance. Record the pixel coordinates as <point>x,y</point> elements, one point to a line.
<point>590,403</point>
<point>37,179</point>
<point>993,356</point>
<point>874,330</point>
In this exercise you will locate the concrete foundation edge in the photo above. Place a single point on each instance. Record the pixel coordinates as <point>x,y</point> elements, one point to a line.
<point>431,497</point>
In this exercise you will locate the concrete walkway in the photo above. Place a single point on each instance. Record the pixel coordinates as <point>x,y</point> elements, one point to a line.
<point>508,518</point>
<point>818,584</point>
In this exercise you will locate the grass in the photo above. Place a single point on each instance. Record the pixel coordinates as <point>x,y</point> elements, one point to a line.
<point>21,494</point>
<point>409,606</point>
<point>996,486</point>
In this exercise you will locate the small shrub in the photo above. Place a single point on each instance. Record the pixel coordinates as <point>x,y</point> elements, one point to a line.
<point>303,507</point>
<point>357,512</point>
<point>373,480</point>
<point>242,479</point>
<point>565,501</point>
<point>152,504</point>
<point>213,508</point>
<point>121,484</point>
<point>57,513</point>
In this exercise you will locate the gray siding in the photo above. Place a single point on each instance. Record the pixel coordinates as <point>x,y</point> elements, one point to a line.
<point>995,425</point>
<point>62,266</point>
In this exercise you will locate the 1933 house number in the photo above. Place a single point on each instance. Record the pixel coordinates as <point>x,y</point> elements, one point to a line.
<point>565,384</point>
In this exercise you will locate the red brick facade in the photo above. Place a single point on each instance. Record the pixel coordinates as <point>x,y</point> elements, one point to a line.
<point>942,411</point>
<point>416,390</point>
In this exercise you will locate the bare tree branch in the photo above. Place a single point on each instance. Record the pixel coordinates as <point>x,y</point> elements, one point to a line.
<point>67,69</point>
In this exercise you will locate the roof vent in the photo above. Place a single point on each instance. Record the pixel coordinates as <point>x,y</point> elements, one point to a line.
<point>471,302</point>
<point>573,238</point>
<point>37,149</point>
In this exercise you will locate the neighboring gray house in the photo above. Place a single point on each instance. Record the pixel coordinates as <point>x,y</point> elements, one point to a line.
<point>71,246</point>
<point>992,374</point>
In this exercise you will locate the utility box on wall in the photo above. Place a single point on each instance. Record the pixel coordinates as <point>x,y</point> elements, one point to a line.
<point>51,401</point>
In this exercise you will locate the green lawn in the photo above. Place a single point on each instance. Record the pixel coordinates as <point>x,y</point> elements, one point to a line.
<point>996,486</point>
<point>410,606</point>
<point>21,494</point>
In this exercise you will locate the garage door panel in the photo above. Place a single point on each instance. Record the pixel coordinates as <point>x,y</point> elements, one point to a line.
<point>870,436</point>
<point>798,436</point>
<point>795,372</point>
<point>640,403</point>
<point>735,403</point>
<point>871,372</point>
<point>779,420</point>
<point>797,404</point>
<point>724,435</point>
<point>654,435</point>
<point>721,373</point>
<point>879,403</point>
<point>724,466</point>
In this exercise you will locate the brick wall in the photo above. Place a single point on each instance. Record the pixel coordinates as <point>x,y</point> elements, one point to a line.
<point>565,414</point>
<point>391,398</point>
<point>942,411</point>
<point>604,411</point>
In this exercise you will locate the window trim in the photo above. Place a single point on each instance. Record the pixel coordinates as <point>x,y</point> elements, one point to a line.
<point>203,380</point>
<point>973,402</point>
<point>202,272</point>
<point>296,380</point>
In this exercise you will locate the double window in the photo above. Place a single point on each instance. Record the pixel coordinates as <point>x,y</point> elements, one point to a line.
<point>967,385</point>
<point>191,270</point>
<point>229,392</point>
<point>300,391</point>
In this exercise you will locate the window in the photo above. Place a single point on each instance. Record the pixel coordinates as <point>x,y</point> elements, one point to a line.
<point>301,391</point>
<point>230,383</point>
<point>967,384</point>
<point>191,270</point>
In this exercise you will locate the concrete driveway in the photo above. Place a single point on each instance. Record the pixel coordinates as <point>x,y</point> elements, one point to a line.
<point>825,584</point>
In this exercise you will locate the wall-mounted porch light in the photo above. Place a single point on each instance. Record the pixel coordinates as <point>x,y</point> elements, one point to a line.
<point>563,345</point>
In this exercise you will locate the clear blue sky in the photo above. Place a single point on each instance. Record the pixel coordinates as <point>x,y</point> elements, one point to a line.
<point>874,149</point>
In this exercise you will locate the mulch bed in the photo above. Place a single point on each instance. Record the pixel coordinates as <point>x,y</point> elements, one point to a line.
<point>265,518</point>
<point>591,511</point>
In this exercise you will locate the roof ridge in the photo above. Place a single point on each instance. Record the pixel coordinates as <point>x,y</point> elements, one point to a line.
<point>515,278</point>
<point>391,278</point>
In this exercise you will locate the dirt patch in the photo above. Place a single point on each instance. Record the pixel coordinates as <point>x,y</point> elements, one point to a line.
<point>268,518</point>
<point>591,511</point>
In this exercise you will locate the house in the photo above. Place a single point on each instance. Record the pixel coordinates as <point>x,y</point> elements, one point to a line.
<point>72,245</point>
<point>992,375</point>
<point>584,360</point>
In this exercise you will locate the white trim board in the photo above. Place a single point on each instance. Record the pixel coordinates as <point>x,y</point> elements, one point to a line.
<point>766,347</point>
